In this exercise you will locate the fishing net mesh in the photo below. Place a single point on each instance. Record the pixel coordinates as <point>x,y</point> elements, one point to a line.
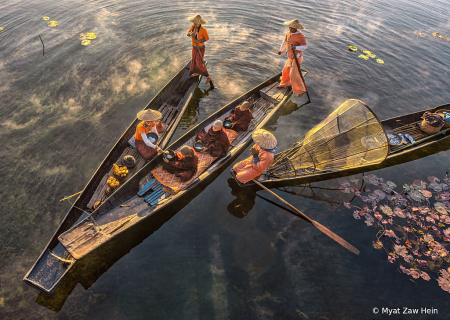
<point>350,137</point>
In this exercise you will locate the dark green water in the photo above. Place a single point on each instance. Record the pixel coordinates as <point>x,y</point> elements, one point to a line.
<point>62,112</point>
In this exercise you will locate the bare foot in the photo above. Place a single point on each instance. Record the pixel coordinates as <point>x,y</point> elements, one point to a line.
<point>280,86</point>
<point>194,75</point>
<point>208,80</point>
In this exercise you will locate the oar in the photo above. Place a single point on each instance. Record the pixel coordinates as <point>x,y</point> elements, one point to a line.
<point>301,75</point>
<point>71,196</point>
<point>329,233</point>
<point>198,49</point>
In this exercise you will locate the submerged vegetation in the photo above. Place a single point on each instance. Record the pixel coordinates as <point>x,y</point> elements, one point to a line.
<point>414,223</point>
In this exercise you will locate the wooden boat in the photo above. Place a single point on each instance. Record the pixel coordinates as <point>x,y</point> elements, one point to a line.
<point>172,101</point>
<point>144,195</point>
<point>406,124</point>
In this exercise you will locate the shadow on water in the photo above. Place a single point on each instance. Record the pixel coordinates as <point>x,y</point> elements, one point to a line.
<point>89,269</point>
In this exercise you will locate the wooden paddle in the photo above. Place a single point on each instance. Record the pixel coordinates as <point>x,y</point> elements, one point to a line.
<point>329,233</point>
<point>199,52</point>
<point>301,75</point>
<point>70,196</point>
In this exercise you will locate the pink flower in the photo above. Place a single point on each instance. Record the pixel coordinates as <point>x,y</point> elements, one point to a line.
<point>347,205</point>
<point>415,274</point>
<point>378,216</point>
<point>384,221</point>
<point>391,259</point>
<point>408,258</point>
<point>390,221</point>
<point>356,215</point>
<point>406,229</point>
<point>425,276</point>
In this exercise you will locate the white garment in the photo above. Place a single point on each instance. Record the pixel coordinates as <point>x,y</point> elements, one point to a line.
<point>298,48</point>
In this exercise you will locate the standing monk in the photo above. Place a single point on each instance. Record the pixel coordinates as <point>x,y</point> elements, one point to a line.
<point>263,153</point>
<point>294,40</point>
<point>215,140</point>
<point>199,37</point>
<point>145,147</point>
<point>241,117</point>
<point>184,165</point>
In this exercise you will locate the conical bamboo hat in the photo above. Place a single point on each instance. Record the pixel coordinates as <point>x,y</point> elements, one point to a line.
<point>197,19</point>
<point>264,139</point>
<point>149,115</point>
<point>294,24</point>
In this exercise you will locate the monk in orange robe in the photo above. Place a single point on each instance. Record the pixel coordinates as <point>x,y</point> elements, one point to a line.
<point>184,165</point>
<point>241,117</point>
<point>294,40</point>
<point>215,140</point>
<point>263,153</point>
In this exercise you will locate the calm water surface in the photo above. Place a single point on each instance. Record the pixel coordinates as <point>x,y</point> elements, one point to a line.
<point>61,113</point>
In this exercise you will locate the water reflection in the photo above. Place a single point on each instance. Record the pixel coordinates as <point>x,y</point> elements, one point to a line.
<point>244,202</point>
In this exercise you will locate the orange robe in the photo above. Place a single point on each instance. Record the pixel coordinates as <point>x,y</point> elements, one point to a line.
<point>183,167</point>
<point>291,76</point>
<point>241,119</point>
<point>247,169</point>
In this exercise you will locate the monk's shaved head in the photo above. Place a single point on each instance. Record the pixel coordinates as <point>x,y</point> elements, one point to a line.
<point>246,105</point>
<point>186,151</point>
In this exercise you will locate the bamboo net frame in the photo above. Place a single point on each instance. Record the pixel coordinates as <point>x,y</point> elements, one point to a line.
<point>350,137</point>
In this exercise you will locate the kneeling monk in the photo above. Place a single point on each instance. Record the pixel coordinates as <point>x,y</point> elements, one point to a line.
<point>215,140</point>
<point>241,117</point>
<point>263,153</point>
<point>145,147</point>
<point>184,165</point>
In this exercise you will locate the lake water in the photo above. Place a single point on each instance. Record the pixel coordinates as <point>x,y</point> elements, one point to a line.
<point>61,113</point>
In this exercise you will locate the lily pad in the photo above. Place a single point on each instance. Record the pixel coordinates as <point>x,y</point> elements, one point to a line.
<point>380,61</point>
<point>391,184</point>
<point>426,193</point>
<point>420,33</point>
<point>46,18</point>
<point>377,245</point>
<point>1,28</point>
<point>370,54</point>
<point>85,42</point>
<point>53,23</point>
<point>82,36</point>
<point>435,186</point>
<point>363,57</point>
<point>91,35</point>
<point>416,195</point>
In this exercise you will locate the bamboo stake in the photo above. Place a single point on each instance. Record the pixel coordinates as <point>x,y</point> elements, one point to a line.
<point>70,196</point>
<point>329,233</point>
<point>43,47</point>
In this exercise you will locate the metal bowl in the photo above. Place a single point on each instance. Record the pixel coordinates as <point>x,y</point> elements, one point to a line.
<point>153,137</point>
<point>129,161</point>
<point>169,154</point>
<point>227,124</point>
<point>198,146</point>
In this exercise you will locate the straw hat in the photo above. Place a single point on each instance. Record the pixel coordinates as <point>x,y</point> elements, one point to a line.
<point>264,139</point>
<point>294,24</point>
<point>149,115</point>
<point>197,19</point>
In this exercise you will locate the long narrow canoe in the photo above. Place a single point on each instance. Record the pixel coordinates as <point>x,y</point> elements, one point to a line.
<point>143,196</point>
<point>405,124</point>
<point>172,101</point>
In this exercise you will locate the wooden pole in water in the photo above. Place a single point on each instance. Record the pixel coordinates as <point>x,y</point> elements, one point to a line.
<point>43,47</point>
<point>329,233</point>
<point>70,196</point>
<point>301,75</point>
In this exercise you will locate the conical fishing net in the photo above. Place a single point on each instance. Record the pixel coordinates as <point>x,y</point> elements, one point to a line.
<point>350,137</point>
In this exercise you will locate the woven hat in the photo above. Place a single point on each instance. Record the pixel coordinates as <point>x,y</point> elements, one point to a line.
<point>294,24</point>
<point>218,124</point>
<point>264,139</point>
<point>197,19</point>
<point>149,115</point>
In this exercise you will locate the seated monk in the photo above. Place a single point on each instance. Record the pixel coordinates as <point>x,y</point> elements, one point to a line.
<point>184,165</point>
<point>263,153</point>
<point>241,117</point>
<point>145,147</point>
<point>215,140</point>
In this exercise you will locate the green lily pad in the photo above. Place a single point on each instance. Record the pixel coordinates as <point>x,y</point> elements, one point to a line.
<point>85,42</point>
<point>91,35</point>
<point>53,23</point>
<point>46,18</point>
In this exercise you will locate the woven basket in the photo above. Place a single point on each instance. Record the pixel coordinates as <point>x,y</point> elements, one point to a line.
<point>446,124</point>
<point>426,127</point>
